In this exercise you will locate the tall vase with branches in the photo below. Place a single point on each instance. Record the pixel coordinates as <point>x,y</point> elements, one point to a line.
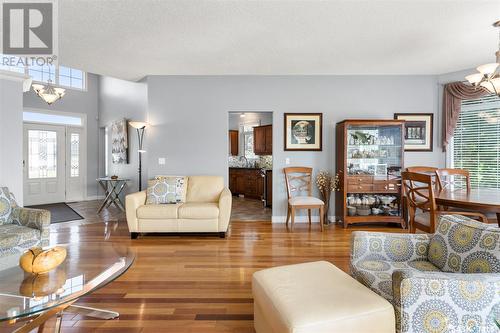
<point>327,184</point>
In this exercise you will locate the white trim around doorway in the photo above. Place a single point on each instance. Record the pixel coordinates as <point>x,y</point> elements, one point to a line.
<point>83,125</point>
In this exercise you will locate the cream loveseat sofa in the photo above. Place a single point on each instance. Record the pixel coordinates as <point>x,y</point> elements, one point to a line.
<point>207,209</point>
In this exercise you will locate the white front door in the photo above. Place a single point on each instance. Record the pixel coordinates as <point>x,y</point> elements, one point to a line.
<point>44,159</point>
<point>75,171</point>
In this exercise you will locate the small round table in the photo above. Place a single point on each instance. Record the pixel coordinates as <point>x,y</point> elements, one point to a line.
<point>40,297</point>
<point>112,188</point>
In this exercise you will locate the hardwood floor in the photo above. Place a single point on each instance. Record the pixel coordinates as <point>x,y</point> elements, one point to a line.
<point>192,284</point>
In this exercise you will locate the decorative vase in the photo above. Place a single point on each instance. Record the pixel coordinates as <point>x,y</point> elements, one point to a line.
<point>39,261</point>
<point>325,195</point>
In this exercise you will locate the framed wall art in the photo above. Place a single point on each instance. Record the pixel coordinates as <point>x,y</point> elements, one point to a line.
<point>119,142</point>
<point>303,131</point>
<point>418,130</point>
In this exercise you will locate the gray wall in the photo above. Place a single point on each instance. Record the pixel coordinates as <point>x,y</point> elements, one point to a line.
<point>11,134</point>
<point>124,99</point>
<point>189,115</point>
<point>78,102</point>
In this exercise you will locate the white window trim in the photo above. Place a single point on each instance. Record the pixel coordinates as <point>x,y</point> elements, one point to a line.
<point>56,75</point>
<point>82,116</point>
<point>245,133</point>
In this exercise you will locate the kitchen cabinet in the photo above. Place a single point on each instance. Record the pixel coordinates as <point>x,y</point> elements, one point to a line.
<point>263,140</point>
<point>250,183</point>
<point>233,142</point>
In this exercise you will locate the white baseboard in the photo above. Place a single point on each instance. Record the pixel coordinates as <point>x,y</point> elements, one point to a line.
<point>299,219</point>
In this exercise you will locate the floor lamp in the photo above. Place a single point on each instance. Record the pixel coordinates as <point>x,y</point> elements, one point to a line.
<point>139,126</point>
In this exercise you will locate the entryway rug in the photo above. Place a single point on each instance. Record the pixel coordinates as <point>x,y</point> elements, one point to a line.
<point>59,212</point>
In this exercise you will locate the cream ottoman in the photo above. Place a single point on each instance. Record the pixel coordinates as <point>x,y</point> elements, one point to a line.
<point>317,297</point>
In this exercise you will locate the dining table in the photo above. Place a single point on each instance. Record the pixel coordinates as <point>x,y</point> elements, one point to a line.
<point>482,200</point>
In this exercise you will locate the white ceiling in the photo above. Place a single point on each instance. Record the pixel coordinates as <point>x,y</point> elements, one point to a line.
<point>131,39</point>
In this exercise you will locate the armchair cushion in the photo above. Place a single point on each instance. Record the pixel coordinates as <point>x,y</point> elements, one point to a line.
<point>461,244</point>
<point>38,219</point>
<point>377,274</point>
<point>446,302</point>
<point>6,204</point>
<point>376,255</point>
<point>12,236</point>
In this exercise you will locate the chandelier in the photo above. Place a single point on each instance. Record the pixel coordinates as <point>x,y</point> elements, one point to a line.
<point>48,93</point>
<point>488,76</point>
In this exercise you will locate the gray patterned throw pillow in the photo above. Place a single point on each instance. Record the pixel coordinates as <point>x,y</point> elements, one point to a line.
<point>166,190</point>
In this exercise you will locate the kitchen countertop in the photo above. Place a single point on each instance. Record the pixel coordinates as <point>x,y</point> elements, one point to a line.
<point>248,168</point>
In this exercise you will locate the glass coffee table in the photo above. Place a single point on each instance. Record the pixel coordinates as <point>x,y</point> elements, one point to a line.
<point>38,298</point>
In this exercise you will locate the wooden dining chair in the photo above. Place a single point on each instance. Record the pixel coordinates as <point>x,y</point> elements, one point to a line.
<point>427,170</point>
<point>299,190</point>
<point>453,179</point>
<point>418,188</point>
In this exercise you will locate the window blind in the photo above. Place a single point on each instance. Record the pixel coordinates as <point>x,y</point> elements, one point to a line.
<point>476,141</point>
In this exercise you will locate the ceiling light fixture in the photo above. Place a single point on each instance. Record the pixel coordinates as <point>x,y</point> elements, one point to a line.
<point>48,93</point>
<point>488,76</point>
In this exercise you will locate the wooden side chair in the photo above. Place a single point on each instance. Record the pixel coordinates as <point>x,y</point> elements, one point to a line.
<point>418,189</point>
<point>426,170</point>
<point>453,179</point>
<point>299,182</point>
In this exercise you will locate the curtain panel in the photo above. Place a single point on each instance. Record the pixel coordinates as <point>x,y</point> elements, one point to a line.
<point>453,94</point>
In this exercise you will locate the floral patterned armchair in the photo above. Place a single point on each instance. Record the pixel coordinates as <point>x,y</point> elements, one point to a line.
<point>445,282</point>
<point>21,228</point>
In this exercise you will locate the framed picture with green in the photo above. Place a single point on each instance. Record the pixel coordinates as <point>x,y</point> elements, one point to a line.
<point>303,131</point>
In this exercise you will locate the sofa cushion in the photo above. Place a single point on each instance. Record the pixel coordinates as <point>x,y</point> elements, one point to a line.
<point>461,244</point>
<point>12,235</point>
<point>204,188</point>
<point>199,210</point>
<point>166,190</point>
<point>377,274</point>
<point>167,211</point>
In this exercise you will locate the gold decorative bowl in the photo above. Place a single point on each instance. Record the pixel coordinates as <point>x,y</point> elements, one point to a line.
<point>39,261</point>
